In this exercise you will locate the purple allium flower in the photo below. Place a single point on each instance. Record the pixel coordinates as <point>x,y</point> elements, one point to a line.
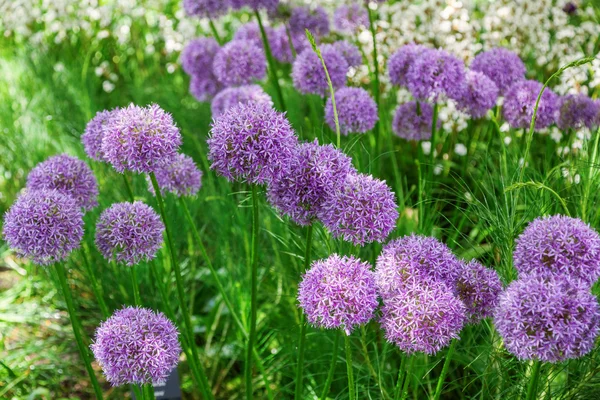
<point>205,8</point>
<point>434,73</point>
<point>480,96</point>
<point>357,111</point>
<point>136,346</point>
<point>315,171</point>
<point>551,318</point>
<point>570,8</point>
<point>350,18</point>
<point>239,63</point>
<point>251,142</point>
<point>519,103</point>
<point>314,19</point>
<point>94,132</point>
<point>350,52</point>
<point>129,233</point>
<point>198,55</point>
<point>400,62</point>
<point>360,211</point>
<point>424,315</point>
<point>250,32</point>
<point>140,138</point>
<point>559,245</point>
<point>269,5</point>
<point>179,176</point>
<point>280,45</point>
<point>44,226</point>
<point>338,293</point>
<point>203,89</point>
<point>415,255</point>
<point>233,96</point>
<point>577,111</point>
<point>308,73</point>
<point>412,121</point>
<point>479,289</point>
<point>70,176</point>
<point>502,66</point>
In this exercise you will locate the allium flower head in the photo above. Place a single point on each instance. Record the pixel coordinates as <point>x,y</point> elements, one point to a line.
<point>136,346</point>
<point>415,255</point>
<point>205,8</point>
<point>198,55</point>
<point>480,96</point>
<point>559,245</point>
<point>338,292</point>
<point>434,73</point>
<point>519,103</point>
<point>179,176</point>
<point>129,233</point>
<point>360,211</point>
<point>400,62</point>
<point>44,226</point>
<point>550,318</point>
<point>239,63</point>
<point>94,132</point>
<point>357,111</point>
<point>269,5</point>
<point>350,52</point>
<point>314,19</point>
<point>315,171</point>
<point>502,66</point>
<point>251,142</point>
<point>423,316</point>
<point>280,45</point>
<point>308,73</point>
<point>577,111</point>
<point>251,32</point>
<point>242,94</point>
<point>479,289</point>
<point>140,138</point>
<point>412,121</point>
<point>350,18</point>
<point>70,176</point>
<point>203,89</point>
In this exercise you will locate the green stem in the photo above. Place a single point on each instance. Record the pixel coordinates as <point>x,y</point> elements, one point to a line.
<point>533,380</point>
<point>590,177</point>
<point>77,328</point>
<point>401,377</point>
<point>433,143</point>
<point>302,341</point>
<point>201,378</point>
<point>270,61</point>
<point>128,187</point>
<point>148,391</point>
<point>376,84</point>
<point>440,382</point>
<point>407,379</point>
<point>214,31</point>
<point>336,345</point>
<point>253,294</point>
<point>351,393</point>
<point>137,301</point>
<point>96,288</point>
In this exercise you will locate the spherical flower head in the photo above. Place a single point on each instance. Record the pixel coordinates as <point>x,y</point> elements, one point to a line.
<point>136,346</point>
<point>179,176</point>
<point>140,138</point>
<point>415,255</point>
<point>480,96</point>
<point>308,73</point>
<point>204,88</point>
<point>551,318</point>
<point>44,226</point>
<point>315,19</point>
<point>479,289</point>
<point>412,121</point>
<point>423,316</point>
<point>94,132</point>
<point>435,73</point>
<point>559,245</point>
<point>338,292</point>
<point>70,176</point>
<point>357,111</point>
<point>576,112</point>
<point>198,55</point>
<point>269,5</point>
<point>129,233</point>
<point>350,18</point>
<point>362,210</point>
<point>519,103</point>
<point>280,45</point>
<point>315,171</point>
<point>205,8</point>
<point>350,52</point>
<point>502,66</point>
<point>251,142</point>
<point>251,32</point>
<point>239,63</point>
<point>233,96</point>
<point>400,62</point>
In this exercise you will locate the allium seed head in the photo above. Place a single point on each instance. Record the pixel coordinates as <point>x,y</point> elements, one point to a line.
<point>479,289</point>
<point>502,66</point>
<point>412,121</point>
<point>239,63</point>
<point>230,97</point>
<point>205,8</point>
<point>338,292</point>
<point>357,111</point>
<point>308,73</point>
<point>129,233</point>
<point>400,62</point>
<point>198,55</point>
<point>435,73</point>
<point>94,132</point>
<point>314,19</point>
<point>577,111</point>
<point>350,18</point>
<point>519,103</point>
<point>350,52</point>
<point>480,96</point>
<point>44,226</point>
<point>179,176</point>
<point>136,346</point>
